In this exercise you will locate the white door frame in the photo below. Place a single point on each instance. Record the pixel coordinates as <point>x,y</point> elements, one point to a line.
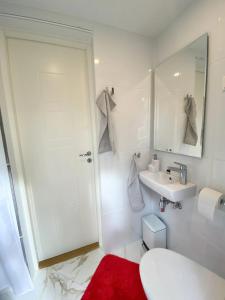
<point>60,34</point>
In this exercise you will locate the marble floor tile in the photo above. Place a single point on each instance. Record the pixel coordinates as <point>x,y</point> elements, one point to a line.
<point>133,251</point>
<point>68,280</point>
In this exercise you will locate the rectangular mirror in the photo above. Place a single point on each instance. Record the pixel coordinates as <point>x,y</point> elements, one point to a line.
<point>180,95</point>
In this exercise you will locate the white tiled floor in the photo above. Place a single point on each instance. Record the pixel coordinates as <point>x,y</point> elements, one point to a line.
<point>68,280</point>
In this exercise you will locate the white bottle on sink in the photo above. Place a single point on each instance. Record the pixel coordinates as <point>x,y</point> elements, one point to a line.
<point>155,164</point>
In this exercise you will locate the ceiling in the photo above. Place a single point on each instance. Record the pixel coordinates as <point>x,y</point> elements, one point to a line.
<point>146,17</point>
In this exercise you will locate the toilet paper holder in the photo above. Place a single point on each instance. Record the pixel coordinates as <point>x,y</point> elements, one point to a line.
<point>222,201</point>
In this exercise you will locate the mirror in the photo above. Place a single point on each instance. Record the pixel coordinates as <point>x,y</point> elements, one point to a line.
<point>180,92</point>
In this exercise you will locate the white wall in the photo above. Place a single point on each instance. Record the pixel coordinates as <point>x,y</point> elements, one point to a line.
<point>189,233</point>
<point>125,59</point>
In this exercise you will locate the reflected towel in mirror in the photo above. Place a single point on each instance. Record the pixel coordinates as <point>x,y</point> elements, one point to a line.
<point>190,134</point>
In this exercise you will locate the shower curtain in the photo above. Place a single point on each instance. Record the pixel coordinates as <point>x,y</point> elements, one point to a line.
<point>12,263</point>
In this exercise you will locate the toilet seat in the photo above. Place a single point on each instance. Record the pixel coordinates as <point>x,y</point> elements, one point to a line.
<point>167,275</point>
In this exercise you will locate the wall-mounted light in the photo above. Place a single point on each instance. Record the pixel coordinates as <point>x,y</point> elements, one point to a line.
<point>96,61</point>
<point>177,74</point>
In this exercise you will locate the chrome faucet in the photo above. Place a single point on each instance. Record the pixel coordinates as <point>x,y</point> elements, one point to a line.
<point>182,170</point>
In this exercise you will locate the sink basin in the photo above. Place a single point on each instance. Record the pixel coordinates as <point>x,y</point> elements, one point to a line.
<point>167,186</point>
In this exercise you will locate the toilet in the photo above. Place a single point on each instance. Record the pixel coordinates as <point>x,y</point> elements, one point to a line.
<point>167,275</point>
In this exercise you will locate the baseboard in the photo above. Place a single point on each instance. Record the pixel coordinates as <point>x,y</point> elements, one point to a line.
<point>68,255</point>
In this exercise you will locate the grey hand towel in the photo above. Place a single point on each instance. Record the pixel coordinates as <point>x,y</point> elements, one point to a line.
<point>106,104</point>
<point>133,187</point>
<point>190,134</point>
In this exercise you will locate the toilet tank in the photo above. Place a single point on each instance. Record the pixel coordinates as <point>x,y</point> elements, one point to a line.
<point>153,232</point>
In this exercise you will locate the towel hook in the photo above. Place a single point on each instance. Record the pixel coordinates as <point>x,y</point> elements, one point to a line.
<point>138,155</point>
<point>112,90</point>
<point>188,96</point>
<point>222,202</point>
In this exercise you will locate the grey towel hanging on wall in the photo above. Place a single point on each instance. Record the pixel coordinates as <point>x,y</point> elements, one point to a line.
<point>106,104</point>
<point>133,187</point>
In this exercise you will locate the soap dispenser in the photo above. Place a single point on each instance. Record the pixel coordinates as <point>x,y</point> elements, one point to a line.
<point>154,166</point>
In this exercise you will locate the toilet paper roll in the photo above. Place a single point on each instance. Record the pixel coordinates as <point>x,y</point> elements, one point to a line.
<point>208,201</point>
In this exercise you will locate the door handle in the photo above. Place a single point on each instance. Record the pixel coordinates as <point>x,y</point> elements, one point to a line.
<point>88,153</point>
<point>89,160</point>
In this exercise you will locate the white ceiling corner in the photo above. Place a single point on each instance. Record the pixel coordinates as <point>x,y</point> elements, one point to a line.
<point>145,17</point>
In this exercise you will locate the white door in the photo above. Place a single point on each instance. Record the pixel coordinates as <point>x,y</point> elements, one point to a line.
<point>51,100</point>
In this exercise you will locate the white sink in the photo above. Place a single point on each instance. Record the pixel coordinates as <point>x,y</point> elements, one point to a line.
<point>167,186</point>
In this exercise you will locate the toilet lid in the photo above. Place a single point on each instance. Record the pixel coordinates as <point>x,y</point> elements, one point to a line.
<point>167,275</point>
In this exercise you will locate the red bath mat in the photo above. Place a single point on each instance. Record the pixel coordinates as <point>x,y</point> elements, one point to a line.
<point>115,279</point>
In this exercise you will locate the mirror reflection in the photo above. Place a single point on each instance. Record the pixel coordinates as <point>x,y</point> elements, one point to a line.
<point>180,89</point>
